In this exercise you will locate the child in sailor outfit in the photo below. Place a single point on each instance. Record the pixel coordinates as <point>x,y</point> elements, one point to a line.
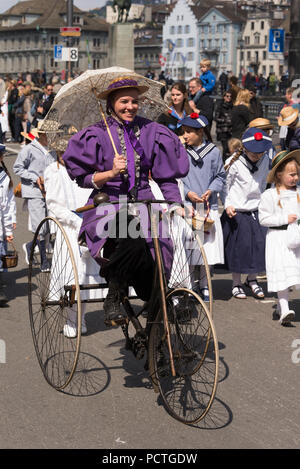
<point>206,178</point>
<point>279,209</point>
<point>7,217</point>
<point>244,237</point>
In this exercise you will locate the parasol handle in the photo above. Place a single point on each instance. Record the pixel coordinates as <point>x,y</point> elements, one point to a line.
<point>109,134</point>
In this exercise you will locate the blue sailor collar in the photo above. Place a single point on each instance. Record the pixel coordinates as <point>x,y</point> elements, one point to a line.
<point>197,154</point>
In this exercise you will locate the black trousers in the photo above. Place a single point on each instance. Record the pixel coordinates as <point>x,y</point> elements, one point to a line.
<point>130,262</point>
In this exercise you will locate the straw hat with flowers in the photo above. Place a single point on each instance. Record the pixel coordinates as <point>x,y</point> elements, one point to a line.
<point>280,158</point>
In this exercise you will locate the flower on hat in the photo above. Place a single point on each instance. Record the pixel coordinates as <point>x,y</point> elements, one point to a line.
<point>258,136</point>
<point>194,115</point>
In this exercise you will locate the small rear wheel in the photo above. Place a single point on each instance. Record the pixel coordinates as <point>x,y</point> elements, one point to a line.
<point>189,394</point>
<point>53,291</point>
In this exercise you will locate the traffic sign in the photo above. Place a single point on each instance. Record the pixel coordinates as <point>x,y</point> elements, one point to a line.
<point>276,40</point>
<point>65,54</point>
<point>70,31</point>
<point>58,53</point>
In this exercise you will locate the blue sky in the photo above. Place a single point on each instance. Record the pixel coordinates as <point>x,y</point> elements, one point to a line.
<point>83,4</point>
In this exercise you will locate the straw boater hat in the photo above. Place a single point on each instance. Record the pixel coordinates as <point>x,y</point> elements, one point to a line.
<point>288,115</point>
<point>120,83</point>
<point>261,123</point>
<point>279,159</point>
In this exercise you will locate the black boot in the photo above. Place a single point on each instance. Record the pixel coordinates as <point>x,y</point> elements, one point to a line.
<point>113,314</point>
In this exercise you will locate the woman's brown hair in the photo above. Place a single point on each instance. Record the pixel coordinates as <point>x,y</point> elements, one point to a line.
<point>180,86</point>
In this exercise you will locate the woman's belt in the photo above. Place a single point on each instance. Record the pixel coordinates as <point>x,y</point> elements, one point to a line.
<point>282,227</point>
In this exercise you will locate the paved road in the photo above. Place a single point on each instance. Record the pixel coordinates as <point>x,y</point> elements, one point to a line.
<point>257,403</point>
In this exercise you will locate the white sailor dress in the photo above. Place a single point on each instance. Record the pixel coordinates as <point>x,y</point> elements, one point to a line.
<point>282,263</point>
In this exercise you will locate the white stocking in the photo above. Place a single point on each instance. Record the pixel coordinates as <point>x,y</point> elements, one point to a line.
<point>283,299</point>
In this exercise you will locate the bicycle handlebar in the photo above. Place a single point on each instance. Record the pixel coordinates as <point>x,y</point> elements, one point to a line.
<point>102,197</point>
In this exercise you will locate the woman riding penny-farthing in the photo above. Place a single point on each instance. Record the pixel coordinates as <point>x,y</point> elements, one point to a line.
<point>138,242</point>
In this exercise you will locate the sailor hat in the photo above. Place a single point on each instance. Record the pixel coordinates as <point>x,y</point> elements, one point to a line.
<point>256,140</point>
<point>194,120</point>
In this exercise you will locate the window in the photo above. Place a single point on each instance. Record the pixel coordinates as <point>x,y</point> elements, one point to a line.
<point>247,39</point>
<point>262,25</point>
<point>248,55</point>
<point>179,30</point>
<point>241,56</point>
<point>256,39</point>
<point>190,42</point>
<point>264,55</point>
<point>172,30</point>
<point>190,56</point>
<point>187,28</point>
<point>179,43</point>
<point>252,25</point>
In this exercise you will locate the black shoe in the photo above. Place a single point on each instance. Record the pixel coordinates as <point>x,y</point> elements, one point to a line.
<point>113,315</point>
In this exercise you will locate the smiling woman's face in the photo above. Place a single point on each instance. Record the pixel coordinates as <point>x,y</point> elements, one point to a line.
<point>125,103</point>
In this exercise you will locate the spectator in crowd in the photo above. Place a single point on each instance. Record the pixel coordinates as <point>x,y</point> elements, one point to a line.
<point>223,122</point>
<point>233,87</point>
<point>272,84</point>
<point>179,108</point>
<point>12,99</point>
<point>223,79</point>
<point>44,103</point>
<point>240,116</point>
<point>27,106</point>
<point>200,104</point>
<point>256,108</point>
<point>19,113</point>
<point>4,125</point>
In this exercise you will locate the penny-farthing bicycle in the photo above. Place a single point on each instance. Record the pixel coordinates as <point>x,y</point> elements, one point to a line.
<point>178,337</point>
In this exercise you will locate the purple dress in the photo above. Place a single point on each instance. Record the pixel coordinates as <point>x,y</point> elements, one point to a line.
<point>91,150</point>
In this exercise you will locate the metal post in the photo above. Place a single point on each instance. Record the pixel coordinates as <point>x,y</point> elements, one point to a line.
<point>294,46</point>
<point>70,40</point>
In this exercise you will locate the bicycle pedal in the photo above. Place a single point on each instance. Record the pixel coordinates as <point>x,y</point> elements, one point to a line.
<point>116,322</point>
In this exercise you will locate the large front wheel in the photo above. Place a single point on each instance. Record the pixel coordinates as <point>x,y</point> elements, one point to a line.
<point>189,392</point>
<point>54,295</point>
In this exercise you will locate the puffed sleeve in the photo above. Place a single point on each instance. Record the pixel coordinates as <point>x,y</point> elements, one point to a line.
<point>84,156</point>
<point>269,214</point>
<point>170,162</point>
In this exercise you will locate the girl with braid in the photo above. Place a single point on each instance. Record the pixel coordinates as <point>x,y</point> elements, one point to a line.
<point>244,237</point>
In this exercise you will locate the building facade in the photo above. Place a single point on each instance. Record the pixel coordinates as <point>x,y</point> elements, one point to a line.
<point>194,32</point>
<point>253,51</point>
<point>30,30</point>
<point>219,32</point>
<point>180,42</point>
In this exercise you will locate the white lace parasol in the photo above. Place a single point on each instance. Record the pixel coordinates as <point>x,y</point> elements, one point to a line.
<point>76,104</point>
